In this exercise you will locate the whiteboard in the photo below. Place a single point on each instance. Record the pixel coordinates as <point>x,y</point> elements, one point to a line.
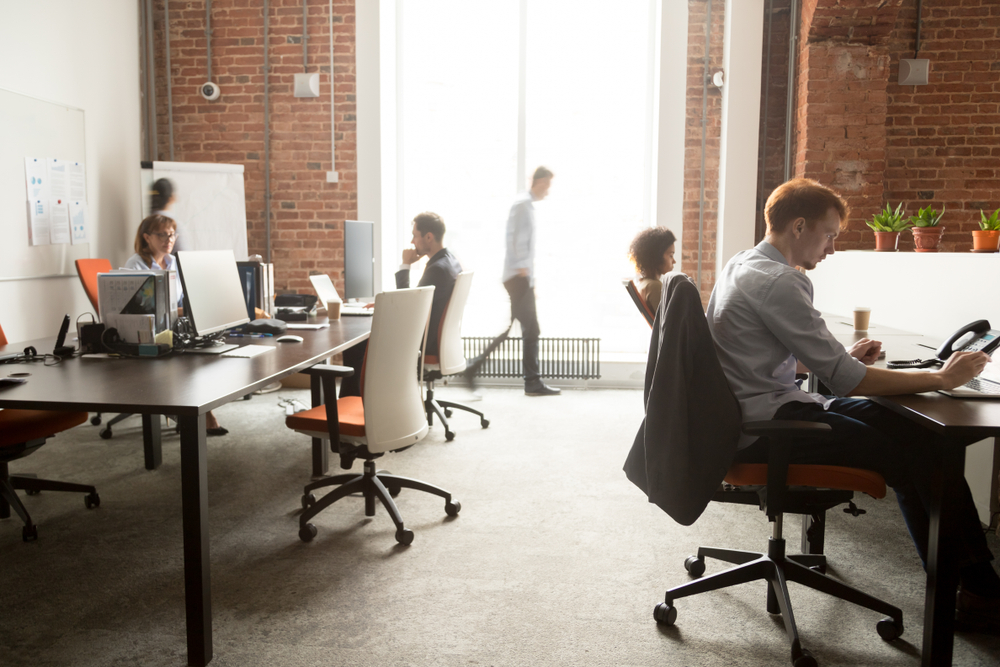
<point>31,127</point>
<point>209,207</point>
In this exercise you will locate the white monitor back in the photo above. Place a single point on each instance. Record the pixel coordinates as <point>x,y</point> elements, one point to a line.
<point>214,295</point>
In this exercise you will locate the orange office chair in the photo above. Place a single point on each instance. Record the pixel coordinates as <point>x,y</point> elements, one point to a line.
<point>88,269</point>
<point>776,488</point>
<point>450,359</point>
<point>21,433</point>
<point>639,302</point>
<point>388,416</point>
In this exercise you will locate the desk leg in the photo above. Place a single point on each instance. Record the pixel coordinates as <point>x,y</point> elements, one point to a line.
<point>197,567</point>
<point>942,572</point>
<point>151,447</point>
<point>320,454</point>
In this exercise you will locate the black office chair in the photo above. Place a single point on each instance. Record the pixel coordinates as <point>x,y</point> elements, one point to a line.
<point>639,302</point>
<point>776,488</point>
<point>21,433</point>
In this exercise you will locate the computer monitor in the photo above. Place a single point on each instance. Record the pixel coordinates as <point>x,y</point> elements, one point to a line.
<point>359,260</point>
<point>213,295</point>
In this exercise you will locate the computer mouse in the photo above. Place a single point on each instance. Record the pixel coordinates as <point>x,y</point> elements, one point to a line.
<point>289,338</point>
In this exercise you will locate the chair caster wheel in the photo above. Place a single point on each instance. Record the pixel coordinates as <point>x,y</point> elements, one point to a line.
<point>447,412</point>
<point>665,614</point>
<point>32,492</point>
<point>888,629</point>
<point>694,565</point>
<point>92,500</point>
<point>393,490</point>
<point>404,536</point>
<point>95,420</point>
<point>308,499</point>
<point>452,508</point>
<point>485,423</point>
<point>29,533</point>
<point>804,659</point>
<point>307,532</point>
<point>105,433</point>
<point>449,435</point>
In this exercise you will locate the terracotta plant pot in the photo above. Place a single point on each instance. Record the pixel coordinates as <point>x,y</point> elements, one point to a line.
<point>985,240</point>
<point>886,241</point>
<point>927,239</point>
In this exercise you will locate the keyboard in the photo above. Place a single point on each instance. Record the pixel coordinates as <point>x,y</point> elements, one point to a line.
<point>983,386</point>
<point>356,311</point>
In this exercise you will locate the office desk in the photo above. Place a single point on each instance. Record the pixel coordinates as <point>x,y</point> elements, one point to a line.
<point>188,386</point>
<point>970,419</point>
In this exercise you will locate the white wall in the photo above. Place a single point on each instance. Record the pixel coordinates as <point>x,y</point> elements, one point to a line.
<point>929,293</point>
<point>85,55</point>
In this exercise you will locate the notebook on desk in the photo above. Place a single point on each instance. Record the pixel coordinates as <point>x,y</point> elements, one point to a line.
<point>327,293</point>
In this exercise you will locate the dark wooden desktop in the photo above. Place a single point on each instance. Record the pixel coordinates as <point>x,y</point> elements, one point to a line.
<point>969,419</point>
<point>187,386</point>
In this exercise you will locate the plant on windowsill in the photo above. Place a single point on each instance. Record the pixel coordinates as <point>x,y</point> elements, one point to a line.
<point>926,230</point>
<point>887,225</point>
<point>987,237</point>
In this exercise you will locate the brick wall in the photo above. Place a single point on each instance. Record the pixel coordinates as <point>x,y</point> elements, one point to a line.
<point>697,17</point>
<point>307,213</point>
<point>944,138</point>
<point>840,132</point>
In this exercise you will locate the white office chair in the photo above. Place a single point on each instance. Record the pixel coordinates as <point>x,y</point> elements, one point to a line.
<point>450,359</point>
<point>388,416</point>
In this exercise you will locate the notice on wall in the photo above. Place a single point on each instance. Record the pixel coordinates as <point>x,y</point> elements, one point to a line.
<point>38,222</point>
<point>56,201</point>
<point>77,182</point>
<point>78,221</point>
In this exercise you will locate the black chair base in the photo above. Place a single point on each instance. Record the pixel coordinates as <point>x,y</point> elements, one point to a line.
<point>371,485</point>
<point>777,569</point>
<point>443,410</point>
<point>105,432</point>
<point>32,485</point>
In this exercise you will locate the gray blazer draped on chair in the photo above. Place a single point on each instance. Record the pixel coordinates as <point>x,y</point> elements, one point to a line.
<point>688,438</point>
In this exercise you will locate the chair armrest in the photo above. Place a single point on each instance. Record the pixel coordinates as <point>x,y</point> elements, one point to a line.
<point>326,370</point>
<point>777,428</point>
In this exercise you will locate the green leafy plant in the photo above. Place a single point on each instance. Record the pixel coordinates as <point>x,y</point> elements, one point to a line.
<point>991,222</point>
<point>926,217</point>
<point>889,220</point>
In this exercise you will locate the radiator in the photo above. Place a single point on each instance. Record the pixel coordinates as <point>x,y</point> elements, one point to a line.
<point>567,358</point>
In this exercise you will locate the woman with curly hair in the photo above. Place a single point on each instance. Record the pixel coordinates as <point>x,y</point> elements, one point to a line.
<point>652,253</point>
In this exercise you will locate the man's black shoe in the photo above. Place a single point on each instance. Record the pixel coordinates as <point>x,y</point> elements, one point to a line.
<point>541,389</point>
<point>976,613</point>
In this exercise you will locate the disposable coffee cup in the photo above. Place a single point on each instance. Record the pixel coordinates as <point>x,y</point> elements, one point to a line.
<point>862,316</point>
<point>333,310</point>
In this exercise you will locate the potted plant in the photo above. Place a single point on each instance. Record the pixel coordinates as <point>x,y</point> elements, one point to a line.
<point>987,237</point>
<point>887,225</point>
<point>926,231</point>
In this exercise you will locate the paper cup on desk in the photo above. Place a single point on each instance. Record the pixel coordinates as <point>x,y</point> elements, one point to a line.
<point>333,310</point>
<point>862,317</point>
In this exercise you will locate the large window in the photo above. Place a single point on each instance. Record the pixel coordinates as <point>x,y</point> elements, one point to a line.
<point>487,91</point>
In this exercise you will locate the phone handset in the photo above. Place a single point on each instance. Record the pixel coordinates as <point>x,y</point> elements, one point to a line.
<point>975,335</point>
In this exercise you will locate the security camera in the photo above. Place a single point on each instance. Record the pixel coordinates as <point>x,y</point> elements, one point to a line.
<point>210,91</point>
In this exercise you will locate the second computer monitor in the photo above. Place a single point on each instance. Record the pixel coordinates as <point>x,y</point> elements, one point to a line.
<point>213,294</point>
<point>359,260</point>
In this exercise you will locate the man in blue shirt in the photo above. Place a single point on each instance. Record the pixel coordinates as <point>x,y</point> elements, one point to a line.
<point>765,328</point>
<point>519,281</point>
